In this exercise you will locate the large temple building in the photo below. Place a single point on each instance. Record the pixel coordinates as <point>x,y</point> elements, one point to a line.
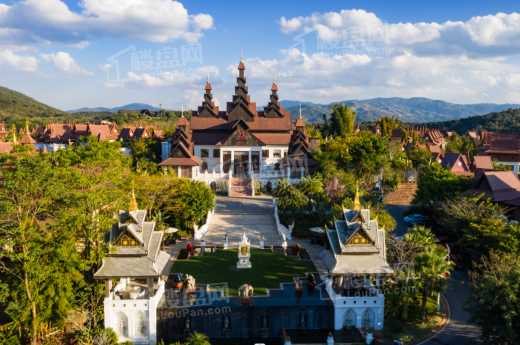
<point>240,143</point>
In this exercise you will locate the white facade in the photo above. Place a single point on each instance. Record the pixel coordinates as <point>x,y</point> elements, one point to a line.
<point>133,319</point>
<point>366,311</point>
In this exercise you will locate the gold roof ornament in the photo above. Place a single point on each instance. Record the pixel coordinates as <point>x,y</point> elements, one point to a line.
<point>133,202</point>
<point>27,126</point>
<point>240,54</point>
<point>300,109</point>
<point>357,204</point>
<point>208,77</point>
<point>182,107</point>
<point>13,128</point>
<point>274,81</point>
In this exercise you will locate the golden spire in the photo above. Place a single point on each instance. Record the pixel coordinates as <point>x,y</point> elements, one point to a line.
<point>274,81</point>
<point>208,77</point>
<point>182,107</point>
<point>13,128</point>
<point>133,202</point>
<point>27,126</point>
<point>357,204</point>
<point>240,54</point>
<point>300,109</point>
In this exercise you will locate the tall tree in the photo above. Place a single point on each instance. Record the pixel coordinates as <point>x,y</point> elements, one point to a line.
<point>341,120</point>
<point>44,263</point>
<point>432,268</point>
<point>493,299</point>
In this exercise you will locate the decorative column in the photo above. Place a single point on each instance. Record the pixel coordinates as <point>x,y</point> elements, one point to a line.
<point>179,171</point>
<point>232,164</point>
<point>249,172</point>
<point>288,172</point>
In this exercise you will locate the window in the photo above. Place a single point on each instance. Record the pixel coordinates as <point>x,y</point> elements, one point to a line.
<point>277,153</point>
<point>265,153</point>
<point>204,166</point>
<point>204,153</point>
<point>216,153</point>
<point>186,171</point>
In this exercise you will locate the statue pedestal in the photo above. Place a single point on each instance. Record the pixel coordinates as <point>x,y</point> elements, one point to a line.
<point>243,262</point>
<point>244,253</point>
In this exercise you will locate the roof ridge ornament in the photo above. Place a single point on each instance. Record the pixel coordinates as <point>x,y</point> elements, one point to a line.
<point>240,54</point>
<point>182,107</point>
<point>133,202</point>
<point>357,204</point>
<point>300,110</point>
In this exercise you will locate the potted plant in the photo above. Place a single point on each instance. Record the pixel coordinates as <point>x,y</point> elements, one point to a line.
<point>297,249</point>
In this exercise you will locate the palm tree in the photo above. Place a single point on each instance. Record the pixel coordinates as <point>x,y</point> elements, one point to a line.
<point>283,187</point>
<point>296,199</point>
<point>432,268</point>
<point>311,185</point>
<point>420,235</point>
<point>198,339</point>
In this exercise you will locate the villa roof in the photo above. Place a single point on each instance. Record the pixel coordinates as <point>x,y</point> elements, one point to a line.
<point>350,257</point>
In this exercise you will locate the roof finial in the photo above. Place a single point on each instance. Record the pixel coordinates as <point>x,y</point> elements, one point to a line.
<point>133,202</point>
<point>300,109</point>
<point>357,204</point>
<point>208,77</point>
<point>182,107</point>
<point>27,126</point>
<point>13,127</point>
<point>240,54</point>
<point>274,81</point>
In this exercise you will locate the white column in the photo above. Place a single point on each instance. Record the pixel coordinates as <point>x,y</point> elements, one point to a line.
<point>221,165</point>
<point>232,163</point>
<point>288,172</point>
<point>250,172</point>
<point>179,171</point>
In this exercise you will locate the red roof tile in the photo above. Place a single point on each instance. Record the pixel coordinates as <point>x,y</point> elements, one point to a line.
<point>181,161</point>
<point>208,86</point>
<point>482,162</point>
<point>274,87</point>
<point>241,65</point>
<point>502,180</point>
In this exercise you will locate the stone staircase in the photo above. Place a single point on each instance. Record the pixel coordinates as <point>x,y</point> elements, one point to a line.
<point>403,195</point>
<point>241,187</point>
<point>234,226</point>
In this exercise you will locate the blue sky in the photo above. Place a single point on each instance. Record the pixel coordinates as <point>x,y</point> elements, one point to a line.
<point>91,53</point>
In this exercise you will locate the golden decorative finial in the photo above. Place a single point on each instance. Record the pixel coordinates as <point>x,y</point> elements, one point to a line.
<point>208,77</point>
<point>274,82</point>
<point>182,109</point>
<point>240,54</point>
<point>13,127</point>
<point>357,204</point>
<point>300,109</point>
<point>27,126</point>
<point>133,202</point>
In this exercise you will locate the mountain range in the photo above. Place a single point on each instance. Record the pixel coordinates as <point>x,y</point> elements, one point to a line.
<point>417,109</point>
<point>131,106</point>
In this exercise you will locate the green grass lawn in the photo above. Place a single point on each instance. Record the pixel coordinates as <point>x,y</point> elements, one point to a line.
<point>268,269</point>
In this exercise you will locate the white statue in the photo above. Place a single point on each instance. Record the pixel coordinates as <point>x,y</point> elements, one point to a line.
<point>291,227</point>
<point>284,243</point>
<point>245,289</point>
<point>262,242</point>
<point>330,339</point>
<point>203,242</point>
<point>191,282</point>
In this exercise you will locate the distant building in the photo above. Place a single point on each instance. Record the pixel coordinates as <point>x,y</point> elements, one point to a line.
<point>142,111</point>
<point>456,163</point>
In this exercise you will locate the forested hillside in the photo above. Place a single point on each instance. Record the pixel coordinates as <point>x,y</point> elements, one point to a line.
<point>504,121</point>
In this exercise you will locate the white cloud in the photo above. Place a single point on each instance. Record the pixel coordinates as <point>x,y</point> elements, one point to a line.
<point>488,36</point>
<point>322,78</point>
<point>152,20</point>
<point>65,62</point>
<point>18,62</point>
<point>114,85</point>
<point>81,44</point>
<point>105,66</point>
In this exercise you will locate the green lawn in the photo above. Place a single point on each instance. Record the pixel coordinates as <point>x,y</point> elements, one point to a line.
<point>268,269</point>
